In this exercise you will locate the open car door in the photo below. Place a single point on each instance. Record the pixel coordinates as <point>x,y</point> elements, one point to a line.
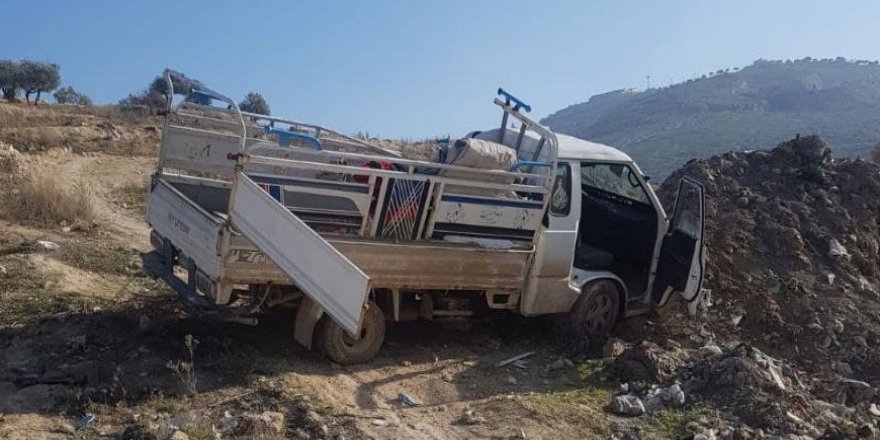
<point>682,260</point>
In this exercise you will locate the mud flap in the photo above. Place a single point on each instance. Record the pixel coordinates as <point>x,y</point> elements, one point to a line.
<point>326,276</point>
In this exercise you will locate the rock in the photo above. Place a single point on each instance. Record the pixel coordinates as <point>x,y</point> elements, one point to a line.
<point>628,405</point>
<point>647,361</point>
<point>179,435</point>
<point>860,341</point>
<point>843,368</point>
<point>742,202</point>
<point>854,392</point>
<point>46,245</point>
<point>874,410</point>
<point>265,423</point>
<point>867,431</point>
<point>470,418</point>
<point>614,347</point>
<point>3,270</point>
<point>511,380</point>
<point>811,149</point>
<point>560,363</point>
<point>66,229</point>
<point>710,350</point>
<point>708,434</point>
<point>837,326</point>
<point>736,318</point>
<point>673,395</point>
<point>379,422</point>
<point>835,249</point>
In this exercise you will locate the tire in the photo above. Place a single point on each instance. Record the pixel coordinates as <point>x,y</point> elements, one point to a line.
<point>345,350</point>
<point>595,312</point>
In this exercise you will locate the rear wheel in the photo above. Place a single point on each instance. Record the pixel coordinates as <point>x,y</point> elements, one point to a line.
<point>343,349</point>
<point>595,312</point>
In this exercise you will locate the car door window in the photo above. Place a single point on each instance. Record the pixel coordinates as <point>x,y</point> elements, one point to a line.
<point>560,200</point>
<point>686,217</point>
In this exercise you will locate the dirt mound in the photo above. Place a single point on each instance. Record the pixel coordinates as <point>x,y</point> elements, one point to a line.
<point>794,250</point>
<point>749,392</point>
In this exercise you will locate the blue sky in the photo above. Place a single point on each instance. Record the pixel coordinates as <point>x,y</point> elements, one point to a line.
<point>422,68</point>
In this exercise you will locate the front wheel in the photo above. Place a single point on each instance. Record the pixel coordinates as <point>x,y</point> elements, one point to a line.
<point>343,349</point>
<point>595,312</point>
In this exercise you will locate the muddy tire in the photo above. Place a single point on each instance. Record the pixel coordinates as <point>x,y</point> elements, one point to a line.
<point>595,312</point>
<point>341,348</point>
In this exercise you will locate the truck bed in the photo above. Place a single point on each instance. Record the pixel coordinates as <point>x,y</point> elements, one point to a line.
<point>191,211</point>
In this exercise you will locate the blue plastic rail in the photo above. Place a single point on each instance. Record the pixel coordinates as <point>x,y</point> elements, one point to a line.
<point>285,136</point>
<point>518,104</point>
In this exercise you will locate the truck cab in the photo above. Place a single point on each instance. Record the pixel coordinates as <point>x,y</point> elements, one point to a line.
<point>606,225</point>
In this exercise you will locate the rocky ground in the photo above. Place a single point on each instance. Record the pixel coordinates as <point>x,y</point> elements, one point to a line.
<point>90,348</point>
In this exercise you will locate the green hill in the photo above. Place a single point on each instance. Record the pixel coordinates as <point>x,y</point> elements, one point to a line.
<point>750,108</point>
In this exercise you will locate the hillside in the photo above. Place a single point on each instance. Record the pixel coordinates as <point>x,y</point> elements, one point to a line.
<point>743,109</point>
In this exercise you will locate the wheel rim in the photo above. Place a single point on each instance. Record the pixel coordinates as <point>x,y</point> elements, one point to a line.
<point>600,313</point>
<point>352,343</point>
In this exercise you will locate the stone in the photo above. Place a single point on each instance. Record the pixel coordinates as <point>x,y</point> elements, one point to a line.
<point>48,245</point>
<point>647,361</point>
<point>179,435</point>
<point>867,431</point>
<point>267,422</point>
<point>673,395</point>
<point>835,249</point>
<point>560,363</point>
<point>711,350</point>
<point>614,347</point>
<point>854,392</point>
<point>628,405</point>
<point>470,417</point>
<point>511,380</point>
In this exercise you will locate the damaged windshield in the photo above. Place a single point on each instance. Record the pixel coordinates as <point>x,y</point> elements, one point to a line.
<point>617,179</point>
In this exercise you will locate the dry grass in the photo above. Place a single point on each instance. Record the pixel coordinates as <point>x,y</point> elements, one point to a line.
<point>45,199</point>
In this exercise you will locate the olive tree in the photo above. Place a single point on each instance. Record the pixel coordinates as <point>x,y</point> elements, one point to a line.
<point>10,75</point>
<point>37,77</point>
<point>67,95</point>
<point>254,103</point>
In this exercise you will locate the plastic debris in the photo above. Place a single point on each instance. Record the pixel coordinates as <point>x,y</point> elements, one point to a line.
<point>509,361</point>
<point>85,421</point>
<point>407,399</point>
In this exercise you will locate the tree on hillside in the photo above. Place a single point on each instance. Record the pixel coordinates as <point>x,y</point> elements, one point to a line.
<point>155,96</point>
<point>37,77</point>
<point>10,74</point>
<point>67,95</point>
<point>254,103</point>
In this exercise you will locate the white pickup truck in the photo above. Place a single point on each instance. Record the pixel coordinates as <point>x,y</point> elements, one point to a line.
<point>250,212</point>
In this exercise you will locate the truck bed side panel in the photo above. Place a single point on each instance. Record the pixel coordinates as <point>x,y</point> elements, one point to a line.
<point>403,266</point>
<point>187,225</point>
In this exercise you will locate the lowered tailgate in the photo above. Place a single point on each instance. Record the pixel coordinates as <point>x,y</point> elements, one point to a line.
<point>311,263</point>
